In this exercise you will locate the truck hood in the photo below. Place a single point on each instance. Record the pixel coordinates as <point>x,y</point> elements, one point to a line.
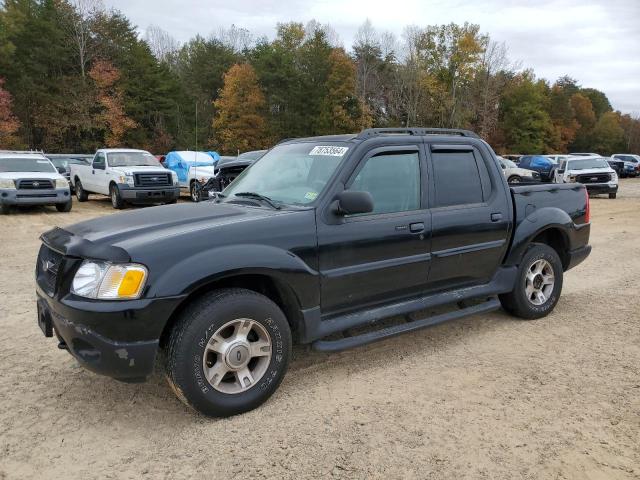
<point>109,238</point>
<point>40,175</point>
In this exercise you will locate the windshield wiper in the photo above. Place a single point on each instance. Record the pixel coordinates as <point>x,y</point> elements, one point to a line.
<point>259,196</point>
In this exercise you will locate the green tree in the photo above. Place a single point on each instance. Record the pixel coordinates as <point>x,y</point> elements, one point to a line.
<point>586,119</point>
<point>599,101</point>
<point>240,124</point>
<point>526,125</point>
<point>608,135</point>
<point>341,110</point>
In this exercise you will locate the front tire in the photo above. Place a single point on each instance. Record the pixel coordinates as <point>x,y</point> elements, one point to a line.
<point>5,209</point>
<point>116,199</point>
<point>514,179</point>
<point>228,352</point>
<point>538,284</point>
<point>612,195</point>
<point>196,192</point>
<point>64,207</point>
<point>81,195</point>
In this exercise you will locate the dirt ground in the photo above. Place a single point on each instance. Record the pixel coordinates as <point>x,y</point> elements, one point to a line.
<point>485,397</point>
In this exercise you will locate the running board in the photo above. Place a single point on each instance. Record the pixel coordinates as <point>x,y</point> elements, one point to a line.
<point>366,338</point>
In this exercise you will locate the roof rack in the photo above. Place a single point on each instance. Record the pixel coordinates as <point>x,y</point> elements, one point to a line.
<point>370,132</point>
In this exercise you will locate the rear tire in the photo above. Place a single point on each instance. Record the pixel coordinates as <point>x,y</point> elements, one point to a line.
<point>64,207</point>
<point>538,284</point>
<point>514,179</point>
<point>228,352</point>
<point>116,199</point>
<point>81,195</point>
<point>612,195</point>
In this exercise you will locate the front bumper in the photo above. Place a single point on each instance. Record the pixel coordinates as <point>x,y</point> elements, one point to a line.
<point>601,187</point>
<point>149,195</point>
<point>118,339</point>
<point>35,197</point>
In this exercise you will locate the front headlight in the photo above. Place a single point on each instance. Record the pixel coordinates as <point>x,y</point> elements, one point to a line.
<point>62,183</point>
<point>7,184</point>
<point>614,177</point>
<point>127,178</point>
<point>176,181</point>
<point>106,281</point>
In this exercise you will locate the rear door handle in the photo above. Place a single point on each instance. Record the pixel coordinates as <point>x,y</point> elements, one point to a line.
<point>416,227</point>
<point>496,217</point>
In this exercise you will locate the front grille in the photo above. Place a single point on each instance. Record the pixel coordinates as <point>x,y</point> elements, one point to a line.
<point>47,268</point>
<point>594,178</point>
<point>36,195</point>
<point>152,179</point>
<point>34,184</point>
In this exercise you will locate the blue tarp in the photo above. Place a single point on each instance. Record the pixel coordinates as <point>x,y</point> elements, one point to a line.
<point>181,162</point>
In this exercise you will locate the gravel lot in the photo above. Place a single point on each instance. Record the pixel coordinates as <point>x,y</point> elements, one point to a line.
<point>486,397</point>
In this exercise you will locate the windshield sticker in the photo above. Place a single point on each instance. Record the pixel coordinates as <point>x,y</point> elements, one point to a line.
<point>310,195</point>
<point>329,150</point>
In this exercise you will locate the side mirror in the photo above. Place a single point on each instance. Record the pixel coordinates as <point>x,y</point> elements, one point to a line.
<point>61,170</point>
<point>560,171</point>
<point>503,166</point>
<point>352,203</point>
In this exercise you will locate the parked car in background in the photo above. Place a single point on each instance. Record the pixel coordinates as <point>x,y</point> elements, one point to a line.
<point>194,169</point>
<point>227,169</point>
<point>556,158</point>
<point>126,176</point>
<point>617,165</point>
<point>631,162</point>
<point>252,155</point>
<point>539,163</point>
<point>63,162</point>
<point>593,172</point>
<point>513,157</point>
<point>515,174</point>
<point>583,154</point>
<point>29,178</point>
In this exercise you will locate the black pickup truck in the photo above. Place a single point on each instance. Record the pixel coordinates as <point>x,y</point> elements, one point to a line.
<point>316,242</point>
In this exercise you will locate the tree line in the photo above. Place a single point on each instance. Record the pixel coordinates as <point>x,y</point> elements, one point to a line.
<point>75,76</point>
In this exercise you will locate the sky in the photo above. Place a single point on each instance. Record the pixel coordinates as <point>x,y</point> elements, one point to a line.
<point>596,42</point>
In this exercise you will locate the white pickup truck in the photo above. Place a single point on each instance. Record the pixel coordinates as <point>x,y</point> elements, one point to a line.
<point>126,176</point>
<point>593,172</point>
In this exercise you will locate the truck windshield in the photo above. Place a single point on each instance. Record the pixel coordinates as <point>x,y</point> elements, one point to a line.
<point>585,164</point>
<point>133,159</point>
<point>26,165</point>
<point>293,174</point>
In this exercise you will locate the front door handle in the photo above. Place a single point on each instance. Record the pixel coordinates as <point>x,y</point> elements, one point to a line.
<point>416,227</point>
<point>496,217</point>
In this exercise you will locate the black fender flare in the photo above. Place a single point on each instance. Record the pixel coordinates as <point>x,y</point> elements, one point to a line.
<point>536,222</point>
<point>196,271</point>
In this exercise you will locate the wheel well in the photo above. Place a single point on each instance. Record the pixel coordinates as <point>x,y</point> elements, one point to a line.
<point>277,291</point>
<point>557,240</point>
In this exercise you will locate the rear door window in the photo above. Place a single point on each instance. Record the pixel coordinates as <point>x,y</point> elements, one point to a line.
<point>457,178</point>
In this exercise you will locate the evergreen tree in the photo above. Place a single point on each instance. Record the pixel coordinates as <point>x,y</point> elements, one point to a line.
<point>240,124</point>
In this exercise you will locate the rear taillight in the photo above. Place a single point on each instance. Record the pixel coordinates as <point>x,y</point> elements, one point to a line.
<point>587,211</point>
